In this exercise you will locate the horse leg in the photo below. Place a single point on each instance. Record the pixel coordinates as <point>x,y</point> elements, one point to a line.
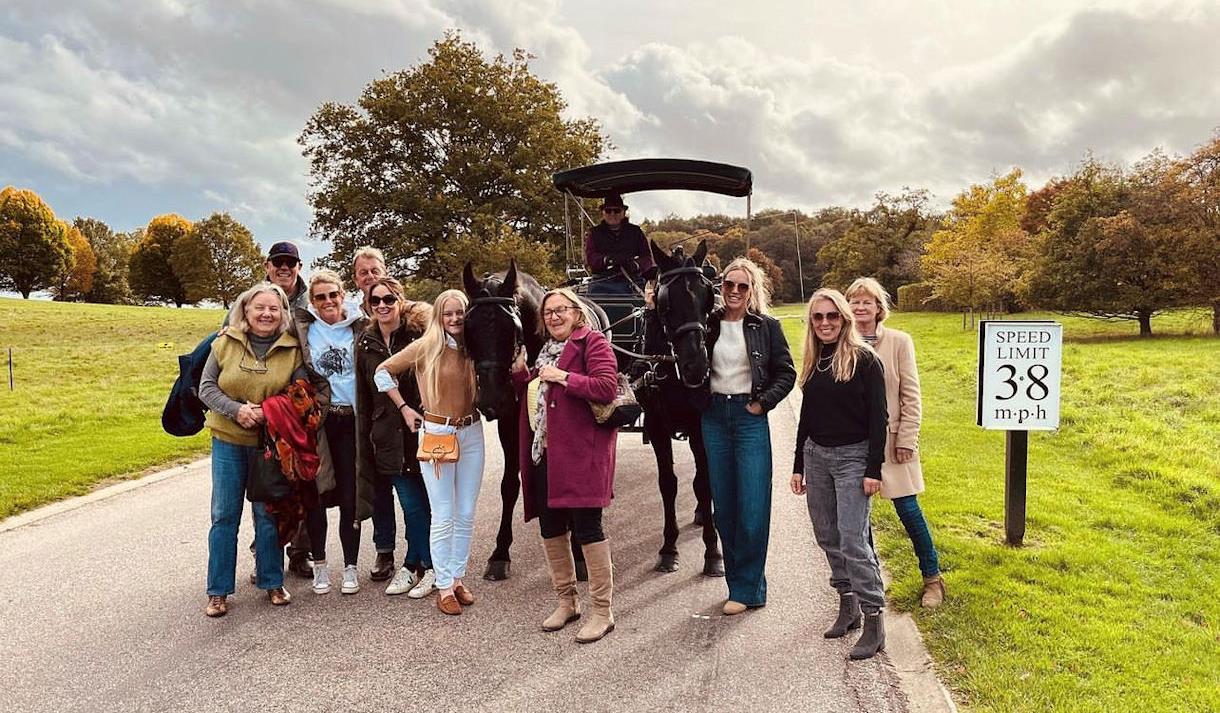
<point>510,490</point>
<point>713,561</point>
<point>667,483</point>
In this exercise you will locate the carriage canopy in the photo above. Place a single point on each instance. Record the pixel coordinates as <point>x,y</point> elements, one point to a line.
<point>655,174</point>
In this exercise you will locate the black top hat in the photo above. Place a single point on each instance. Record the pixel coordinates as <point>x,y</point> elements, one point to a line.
<point>284,248</point>
<point>614,201</point>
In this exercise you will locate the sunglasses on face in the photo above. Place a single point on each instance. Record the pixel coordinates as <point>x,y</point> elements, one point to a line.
<point>375,300</point>
<point>730,286</point>
<point>819,317</point>
<point>612,210</point>
<point>284,261</point>
<point>556,312</point>
<point>323,296</point>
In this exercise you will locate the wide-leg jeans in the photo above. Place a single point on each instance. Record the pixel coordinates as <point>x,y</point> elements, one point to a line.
<point>739,471</point>
<point>229,464</point>
<point>453,492</point>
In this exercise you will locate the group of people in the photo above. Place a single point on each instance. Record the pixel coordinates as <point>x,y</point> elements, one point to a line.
<point>386,369</point>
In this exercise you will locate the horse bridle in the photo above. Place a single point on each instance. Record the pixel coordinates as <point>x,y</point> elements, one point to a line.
<point>510,307</point>
<point>664,280</point>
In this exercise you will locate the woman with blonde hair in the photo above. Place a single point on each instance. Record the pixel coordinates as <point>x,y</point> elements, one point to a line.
<point>903,477</point>
<point>840,446</point>
<point>751,372</point>
<point>567,459</point>
<point>444,373</point>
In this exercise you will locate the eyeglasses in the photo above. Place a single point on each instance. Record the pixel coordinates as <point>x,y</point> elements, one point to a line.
<point>323,296</point>
<point>556,312</point>
<point>730,286</point>
<point>258,367</point>
<point>375,300</point>
<point>284,261</point>
<point>819,317</point>
<point>612,210</point>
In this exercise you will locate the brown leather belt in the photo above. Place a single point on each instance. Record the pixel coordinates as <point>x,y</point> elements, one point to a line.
<point>455,422</point>
<point>341,410</point>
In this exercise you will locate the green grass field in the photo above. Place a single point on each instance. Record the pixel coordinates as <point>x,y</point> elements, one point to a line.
<point>90,384</point>
<point>1112,604</point>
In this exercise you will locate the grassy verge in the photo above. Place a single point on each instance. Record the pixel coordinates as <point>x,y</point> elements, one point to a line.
<point>90,384</point>
<point>1112,603</point>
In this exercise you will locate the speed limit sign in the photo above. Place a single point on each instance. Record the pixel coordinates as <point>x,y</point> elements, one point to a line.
<point>1020,371</point>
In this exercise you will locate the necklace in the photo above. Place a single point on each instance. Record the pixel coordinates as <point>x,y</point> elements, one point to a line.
<point>827,361</point>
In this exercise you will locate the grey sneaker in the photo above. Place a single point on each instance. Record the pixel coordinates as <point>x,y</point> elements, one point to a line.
<point>404,579</point>
<point>425,586</point>
<point>321,578</point>
<point>351,584</point>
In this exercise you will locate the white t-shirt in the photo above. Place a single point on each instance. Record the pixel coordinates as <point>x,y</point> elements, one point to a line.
<point>731,360</point>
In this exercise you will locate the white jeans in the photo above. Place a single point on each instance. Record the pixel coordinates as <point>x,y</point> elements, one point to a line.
<point>453,496</point>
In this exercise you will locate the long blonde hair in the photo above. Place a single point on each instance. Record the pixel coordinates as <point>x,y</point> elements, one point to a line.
<point>851,344</point>
<point>432,346</point>
<point>760,286</point>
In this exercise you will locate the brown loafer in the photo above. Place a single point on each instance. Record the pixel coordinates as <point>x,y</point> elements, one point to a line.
<point>279,596</point>
<point>449,605</point>
<point>464,596</point>
<point>732,608</point>
<point>217,606</point>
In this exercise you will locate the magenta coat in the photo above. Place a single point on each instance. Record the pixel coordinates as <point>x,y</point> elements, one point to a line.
<point>580,453</point>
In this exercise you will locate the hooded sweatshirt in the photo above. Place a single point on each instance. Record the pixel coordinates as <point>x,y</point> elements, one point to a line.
<point>332,348</point>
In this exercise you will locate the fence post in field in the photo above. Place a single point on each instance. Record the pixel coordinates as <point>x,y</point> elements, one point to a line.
<point>10,368</point>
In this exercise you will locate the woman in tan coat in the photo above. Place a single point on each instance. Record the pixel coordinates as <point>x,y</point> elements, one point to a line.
<point>902,476</point>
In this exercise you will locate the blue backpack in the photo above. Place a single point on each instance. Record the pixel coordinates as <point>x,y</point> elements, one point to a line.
<point>184,412</point>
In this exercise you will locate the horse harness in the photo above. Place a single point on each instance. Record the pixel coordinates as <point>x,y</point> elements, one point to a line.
<point>509,307</point>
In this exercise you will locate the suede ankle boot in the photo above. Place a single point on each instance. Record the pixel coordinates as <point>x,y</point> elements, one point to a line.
<point>562,566</point>
<point>600,620</point>
<point>873,638</point>
<point>848,618</point>
<point>933,592</point>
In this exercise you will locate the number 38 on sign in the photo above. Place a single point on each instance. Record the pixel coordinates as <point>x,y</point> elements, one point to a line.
<point>1020,369</point>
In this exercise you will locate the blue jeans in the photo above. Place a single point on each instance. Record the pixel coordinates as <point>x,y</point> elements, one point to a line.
<point>453,491</point>
<point>229,462</point>
<point>921,538</point>
<point>739,471</point>
<point>416,515</point>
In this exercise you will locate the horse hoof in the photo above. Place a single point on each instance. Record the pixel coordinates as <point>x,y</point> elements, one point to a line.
<point>582,572</point>
<point>497,570</point>
<point>713,566</point>
<point>667,563</point>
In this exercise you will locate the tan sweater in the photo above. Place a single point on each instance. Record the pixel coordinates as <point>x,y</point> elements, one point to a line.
<point>455,379</point>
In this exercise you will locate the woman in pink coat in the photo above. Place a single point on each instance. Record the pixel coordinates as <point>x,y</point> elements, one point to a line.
<point>567,459</point>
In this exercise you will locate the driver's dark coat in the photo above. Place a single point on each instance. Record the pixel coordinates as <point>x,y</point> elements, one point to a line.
<point>385,447</point>
<point>772,374</point>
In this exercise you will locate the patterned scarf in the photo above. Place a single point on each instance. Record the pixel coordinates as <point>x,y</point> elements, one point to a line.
<point>549,356</point>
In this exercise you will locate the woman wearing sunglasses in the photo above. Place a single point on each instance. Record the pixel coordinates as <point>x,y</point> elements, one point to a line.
<point>327,330</point>
<point>751,372</point>
<point>840,446</point>
<point>385,447</point>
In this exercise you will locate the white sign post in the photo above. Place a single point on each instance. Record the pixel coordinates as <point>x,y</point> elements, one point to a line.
<point>1020,374</point>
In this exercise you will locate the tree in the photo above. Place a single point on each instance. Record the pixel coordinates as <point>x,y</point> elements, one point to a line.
<point>1201,172</point>
<point>112,252</point>
<point>77,279</point>
<point>1110,249</point>
<point>34,248</point>
<point>491,251</point>
<point>439,152</point>
<point>151,273</point>
<point>216,259</point>
<point>774,275</point>
<point>884,242</point>
<point>977,258</point>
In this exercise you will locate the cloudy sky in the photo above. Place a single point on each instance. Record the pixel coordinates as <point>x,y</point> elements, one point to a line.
<point>123,109</point>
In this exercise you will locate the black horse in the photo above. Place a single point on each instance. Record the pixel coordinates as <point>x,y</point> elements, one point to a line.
<point>675,332</point>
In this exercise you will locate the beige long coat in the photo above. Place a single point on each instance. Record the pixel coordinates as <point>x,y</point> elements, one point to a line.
<point>897,353</point>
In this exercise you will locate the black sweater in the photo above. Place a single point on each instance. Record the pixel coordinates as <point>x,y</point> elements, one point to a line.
<point>841,413</point>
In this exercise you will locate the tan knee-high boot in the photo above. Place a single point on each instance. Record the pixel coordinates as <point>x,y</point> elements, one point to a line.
<point>601,591</point>
<point>563,578</point>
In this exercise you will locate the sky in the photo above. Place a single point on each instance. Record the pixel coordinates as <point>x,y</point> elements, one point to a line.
<point>126,109</point>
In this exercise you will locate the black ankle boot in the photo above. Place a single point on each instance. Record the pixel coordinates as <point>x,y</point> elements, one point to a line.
<point>873,638</point>
<point>848,618</point>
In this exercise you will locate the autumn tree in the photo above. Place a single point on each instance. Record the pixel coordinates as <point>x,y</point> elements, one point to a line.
<point>216,259</point>
<point>34,247</point>
<point>491,249</point>
<point>77,278</point>
<point>774,274</point>
<point>1201,172</point>
<point>436,153</point>
<point>151,272</point>
<point>112,251</point>
<point>976,259</point>
<point>884,242</point>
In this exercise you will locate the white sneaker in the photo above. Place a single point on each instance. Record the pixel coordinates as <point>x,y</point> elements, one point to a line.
<point>321,578</point>
<point>351,584</point>
<point>425,586</point>
<point>404,579</point>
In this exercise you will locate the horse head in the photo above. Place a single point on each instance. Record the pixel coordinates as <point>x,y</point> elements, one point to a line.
<point>684,299</point>
<point>501,318</point>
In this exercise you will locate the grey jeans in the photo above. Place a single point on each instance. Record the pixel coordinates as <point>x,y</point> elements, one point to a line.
<point>839,510</point>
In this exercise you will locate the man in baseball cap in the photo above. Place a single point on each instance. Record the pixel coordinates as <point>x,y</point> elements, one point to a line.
<point>283,267</point>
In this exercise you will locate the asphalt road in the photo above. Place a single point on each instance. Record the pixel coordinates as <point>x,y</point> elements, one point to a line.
<point>101,608</point>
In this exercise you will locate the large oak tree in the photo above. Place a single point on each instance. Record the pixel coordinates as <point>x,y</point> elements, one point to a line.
<point>34,247</point>
<point>216,259</point>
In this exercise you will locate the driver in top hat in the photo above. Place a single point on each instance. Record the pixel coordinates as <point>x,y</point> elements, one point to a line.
<point>616,245</point>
